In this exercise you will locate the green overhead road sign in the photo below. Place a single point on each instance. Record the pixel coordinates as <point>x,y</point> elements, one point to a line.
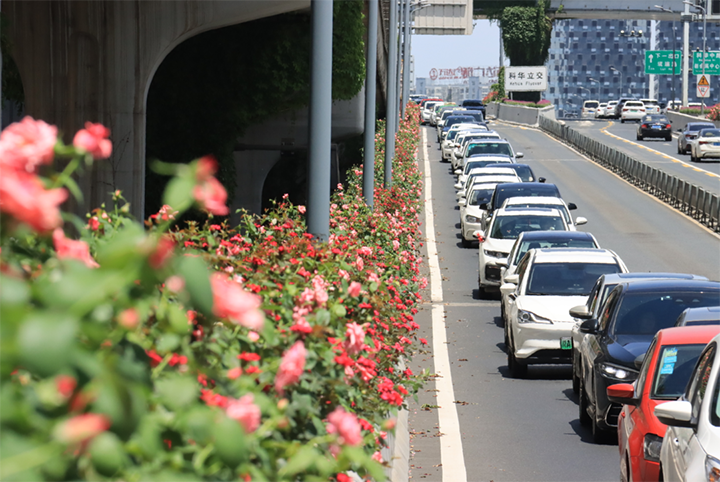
<point>712,63</point>
<point>660,62</point>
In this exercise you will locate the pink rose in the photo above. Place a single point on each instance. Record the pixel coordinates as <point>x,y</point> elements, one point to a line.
<point>206,168</point>
<point>81,428</point>
<point>231,301</point>
<point>302,209</point>
<point>129,318</point>
<point>24,197</point>
<point>354,338</point>
<point>244,411</point>
<point>354,289</point>
<point>26,144</point>
<point>212,196</point>
<point>93,139</point>
<point>291,367</point>
<point>70,249</point>
<point>346,425</point>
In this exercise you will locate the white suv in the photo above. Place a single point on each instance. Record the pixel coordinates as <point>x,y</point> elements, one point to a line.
<point>548,202</point>
<point>549,282</point>
<point>502,231</point>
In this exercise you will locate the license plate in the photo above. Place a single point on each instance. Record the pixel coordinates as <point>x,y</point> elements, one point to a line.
<point>566,343</point>
<point>716,143</point>
<point>656,127</point>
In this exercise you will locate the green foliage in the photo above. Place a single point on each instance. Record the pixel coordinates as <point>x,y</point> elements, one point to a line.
<point>12,88</point>
<point>212,87</point>
<point>526,34</point>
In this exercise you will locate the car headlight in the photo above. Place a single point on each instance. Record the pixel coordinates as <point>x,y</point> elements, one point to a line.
<point>495,254</point>
<point>618,373</point>
<point>712,469</point>
<point>472,219</point>
<point>530,317</point>
<point>651,447</point>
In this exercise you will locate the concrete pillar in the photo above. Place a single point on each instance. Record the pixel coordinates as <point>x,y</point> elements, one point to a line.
<point>370,92</point>
<point>685,54</point>
<point>392,113</point>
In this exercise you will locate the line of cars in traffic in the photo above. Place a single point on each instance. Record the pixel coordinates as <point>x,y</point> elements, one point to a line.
<point>567,300</point>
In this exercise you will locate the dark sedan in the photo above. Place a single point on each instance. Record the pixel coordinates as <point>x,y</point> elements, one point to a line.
<point>654,125</point>
<point>618,339</point>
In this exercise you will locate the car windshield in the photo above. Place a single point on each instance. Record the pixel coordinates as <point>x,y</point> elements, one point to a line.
<point>475,114</point>
<point>697,127</point>
<point>454,120</point>
<point>526,246</point>
<point>524,172</point>
<point>510,227</point>
<point>479,196</point>
<point>566,279</point>
<point>490,148</point>
<point>648,313</point>
<point>475,164</point>
<point>672,372</point>
<point>656,118</point>
<point>559,207</point>
<point>710,133</point>
<point>535,190</point>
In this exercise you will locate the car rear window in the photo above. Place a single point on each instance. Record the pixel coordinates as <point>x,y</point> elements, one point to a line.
<point>479,196</point>
<point>591,104</point>
<point>711,133</point>
<point>697,127</point>
<point>473,164</point>
<point>510,227</point>
<point>675,364</point>
<point>472,103</point>
<point>526,246</point>
<point>534,190</point>
<point>656,118</point>
<point>490,148</point>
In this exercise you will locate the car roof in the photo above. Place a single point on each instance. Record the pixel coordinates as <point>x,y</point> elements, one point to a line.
<point>515,165</point>
<point>533,199</point>
<point>686,335</point>
<point>620,277</point>
<point>700,124</point>
<point>701,313</point>
<point>483,185</point>
<point>522,185</point>
<point>551,235</point>
<point>575,255</point>
<point>491,170</point>
<point>652,285</point>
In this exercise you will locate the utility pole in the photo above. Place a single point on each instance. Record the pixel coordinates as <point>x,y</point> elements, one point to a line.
<point>406,59</point>
<point>685,52</point>
<point>391,101</point>
<point>370,93</point>
<point>320,120</point>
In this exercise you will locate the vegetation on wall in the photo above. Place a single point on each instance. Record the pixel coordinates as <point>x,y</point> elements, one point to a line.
<point>526,34</point>
<point>12,88</point>
<point>212,87</point>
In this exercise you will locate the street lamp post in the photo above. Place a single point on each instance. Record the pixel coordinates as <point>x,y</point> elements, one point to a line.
<point>667,10</point>
<point>621,82</point>
<point>704,49</point>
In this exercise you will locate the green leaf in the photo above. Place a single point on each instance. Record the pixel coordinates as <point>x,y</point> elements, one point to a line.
<point>230,441</point>
<point>124,248</point>
<point>168,342</point>
<point>107,454</point>
<point>197,282</point>
<point>339,310</point>
<point>177,391</point>
<point>46,342</point>
<point>300,462</point>
<point>178,193</point>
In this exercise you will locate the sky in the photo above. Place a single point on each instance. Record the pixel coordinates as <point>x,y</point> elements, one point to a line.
<point>481,49</point>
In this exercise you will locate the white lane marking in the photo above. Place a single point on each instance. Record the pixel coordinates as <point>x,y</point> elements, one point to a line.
<point>662,154</point>
<point>451,450</point>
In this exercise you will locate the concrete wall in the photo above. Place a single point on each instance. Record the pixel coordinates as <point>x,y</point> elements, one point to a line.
<point>518,113</point>
<point>94,61</point>
<point>679,120</point>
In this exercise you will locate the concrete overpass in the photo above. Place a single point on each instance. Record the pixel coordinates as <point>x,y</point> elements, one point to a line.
<point>95,60</point>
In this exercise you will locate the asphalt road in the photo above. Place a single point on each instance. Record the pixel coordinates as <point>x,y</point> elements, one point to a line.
<point>656,152</point>
<point>528,430</point>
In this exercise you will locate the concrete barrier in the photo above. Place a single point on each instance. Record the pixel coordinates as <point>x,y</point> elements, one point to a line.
<point>518,113</point>
<point>679,120</point>
<point>704,206</point>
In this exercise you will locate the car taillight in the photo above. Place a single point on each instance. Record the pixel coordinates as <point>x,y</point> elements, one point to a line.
<point>624,110</point>
<point>704,142</point>
<point>668,126</point>
<point>689,136</point>
<point>644,126</point>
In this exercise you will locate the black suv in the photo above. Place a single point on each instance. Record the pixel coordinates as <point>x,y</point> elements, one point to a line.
<point>514,189</point>
<point>619,106</point>
<point>618,339</point>
<point>474,104</point>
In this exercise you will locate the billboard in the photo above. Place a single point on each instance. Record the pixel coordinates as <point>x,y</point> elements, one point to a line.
<point>462,73</point>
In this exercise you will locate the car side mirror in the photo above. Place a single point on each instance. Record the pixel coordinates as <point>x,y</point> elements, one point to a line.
<point>677,413</point>
<point>519,155</point>
<point>457,172</point>
<point>622,393</point>
<point>589,326</point>
<point>579,221</point>
<point>461,202</point>
<point>542,179</point>
<point>571,206</point>
<point>580,312</point>
<point>639,360</point>
<point>513,279</point>
<point>507,289</point>
<point>483,206</point>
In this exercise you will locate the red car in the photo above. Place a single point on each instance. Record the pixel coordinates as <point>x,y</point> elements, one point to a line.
<point>665,371</point>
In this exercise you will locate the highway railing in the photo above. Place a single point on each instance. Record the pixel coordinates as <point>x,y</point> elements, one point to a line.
<point>688,198</point>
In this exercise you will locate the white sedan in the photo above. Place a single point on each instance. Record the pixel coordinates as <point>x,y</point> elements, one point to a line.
<point>470,212</point>
<point>547,284</point>
<point>548,202</point>
<point>502,231</point>
<point>705,145</point>
<point>632,110</point>
<point>691,447</point>
<point>458,154</point>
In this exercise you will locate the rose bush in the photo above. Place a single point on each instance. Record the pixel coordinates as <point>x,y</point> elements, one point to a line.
<point>199,351</point>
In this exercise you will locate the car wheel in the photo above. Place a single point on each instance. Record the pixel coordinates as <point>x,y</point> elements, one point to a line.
<point>465,243</point>
<point>668,139</point>
<point>517,370</point>
<point>625,473</point>
<point>639,138</point>
<point>680,151</point>
<point>600,436</point>
<point>502,314</point>
<point>583,404</point>
<point>506,336</point>
<point>622,121</point>
<point>692,157</point>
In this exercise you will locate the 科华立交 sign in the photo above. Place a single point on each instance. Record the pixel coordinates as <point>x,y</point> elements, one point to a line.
<point>525,79</point>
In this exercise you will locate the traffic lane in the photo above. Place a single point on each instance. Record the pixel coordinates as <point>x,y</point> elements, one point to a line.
<point>648,234</point>
<point>529,431</point>
<point>657,153</point>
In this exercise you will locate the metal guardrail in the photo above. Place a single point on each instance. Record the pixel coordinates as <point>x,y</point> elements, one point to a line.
<point>688,198</point>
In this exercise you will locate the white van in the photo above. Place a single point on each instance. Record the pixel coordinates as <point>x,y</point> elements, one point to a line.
<point>589,107</point>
